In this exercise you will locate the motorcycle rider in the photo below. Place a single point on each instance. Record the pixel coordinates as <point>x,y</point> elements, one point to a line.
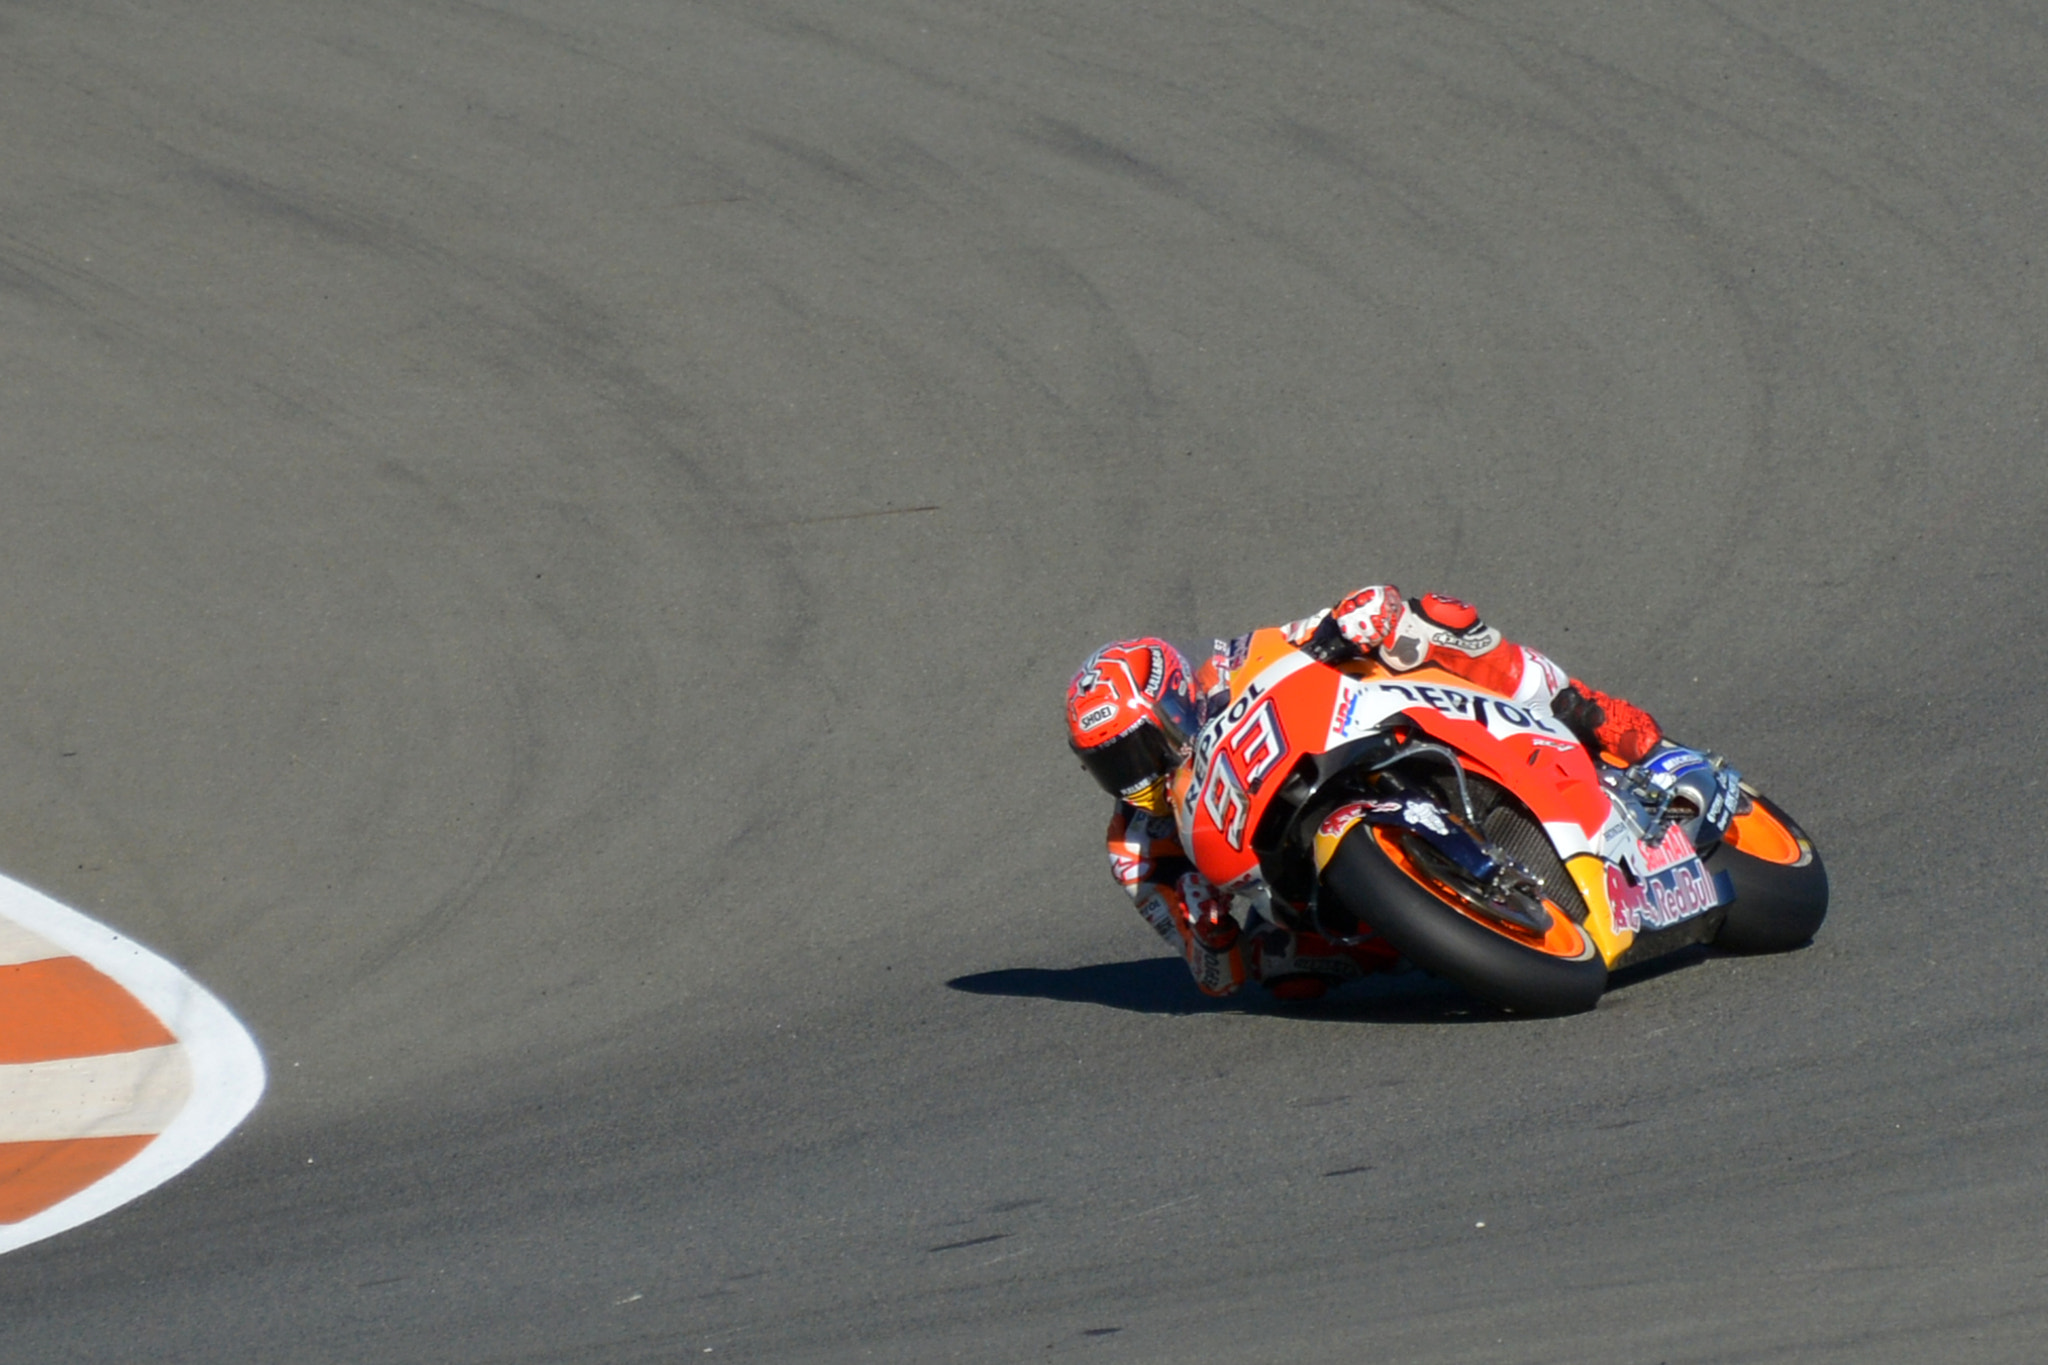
<point>1134,708</point>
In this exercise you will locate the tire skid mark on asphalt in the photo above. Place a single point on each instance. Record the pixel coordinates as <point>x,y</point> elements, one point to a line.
<point>117,1070</point>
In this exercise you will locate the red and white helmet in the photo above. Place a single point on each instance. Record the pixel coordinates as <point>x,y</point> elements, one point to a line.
<point>1130,715</point>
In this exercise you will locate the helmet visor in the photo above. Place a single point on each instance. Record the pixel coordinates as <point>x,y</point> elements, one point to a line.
<point>1128,764</point>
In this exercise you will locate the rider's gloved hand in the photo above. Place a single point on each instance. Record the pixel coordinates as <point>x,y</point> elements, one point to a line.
<point>1368,616</point>
<point>1378,618</point>
<point>1209,919</point>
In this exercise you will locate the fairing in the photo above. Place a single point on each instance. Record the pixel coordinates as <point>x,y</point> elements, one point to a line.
<point>1284,705</point>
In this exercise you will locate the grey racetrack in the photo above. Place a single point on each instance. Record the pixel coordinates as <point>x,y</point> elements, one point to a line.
<point>543,542</point>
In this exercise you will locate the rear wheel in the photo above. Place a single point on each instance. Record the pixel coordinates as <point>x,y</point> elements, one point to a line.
<point>1781,888</point>
<point>1528,957</point>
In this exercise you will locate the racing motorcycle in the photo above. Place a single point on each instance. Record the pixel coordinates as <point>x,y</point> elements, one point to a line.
<point>1414,813</point>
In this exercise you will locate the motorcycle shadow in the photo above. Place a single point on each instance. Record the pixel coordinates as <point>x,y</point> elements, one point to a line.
<point>1160,985</point>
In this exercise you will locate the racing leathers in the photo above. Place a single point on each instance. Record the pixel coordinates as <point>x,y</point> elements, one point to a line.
<point>1149,863</point>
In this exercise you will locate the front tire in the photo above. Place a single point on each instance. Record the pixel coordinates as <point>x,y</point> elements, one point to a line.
<point>1430,920</point>
<point>1781,888</point>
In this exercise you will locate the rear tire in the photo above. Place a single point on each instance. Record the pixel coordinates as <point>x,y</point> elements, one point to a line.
<point>1489,962</point>
<point>1778,905</point>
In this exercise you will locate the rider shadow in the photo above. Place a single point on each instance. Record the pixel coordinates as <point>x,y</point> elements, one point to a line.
<point>1160,985</point>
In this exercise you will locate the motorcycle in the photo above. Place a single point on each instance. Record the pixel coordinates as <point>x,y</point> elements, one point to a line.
<point>1376,814</point>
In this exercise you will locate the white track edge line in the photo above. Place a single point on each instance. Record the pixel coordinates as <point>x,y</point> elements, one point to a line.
<point>227,1068</point>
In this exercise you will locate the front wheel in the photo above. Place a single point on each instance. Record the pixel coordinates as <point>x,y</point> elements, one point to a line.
<point>1781,888</point>
<point>1387,879</point>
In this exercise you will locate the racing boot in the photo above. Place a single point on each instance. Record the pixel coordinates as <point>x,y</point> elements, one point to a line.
<point>1294,971</point>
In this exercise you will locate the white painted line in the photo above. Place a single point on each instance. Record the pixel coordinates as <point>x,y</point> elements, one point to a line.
<point>226,1070</point>
<point>18,945</point>
<point>118,1095</point>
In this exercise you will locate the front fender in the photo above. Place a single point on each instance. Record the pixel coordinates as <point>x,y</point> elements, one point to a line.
<point>1415,815</point>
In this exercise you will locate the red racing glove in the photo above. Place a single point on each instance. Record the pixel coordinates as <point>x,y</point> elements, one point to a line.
<point>1377,618</point>
<point>1370,616</point>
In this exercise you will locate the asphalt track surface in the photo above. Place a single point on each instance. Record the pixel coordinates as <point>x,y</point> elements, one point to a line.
<point>543,543</point>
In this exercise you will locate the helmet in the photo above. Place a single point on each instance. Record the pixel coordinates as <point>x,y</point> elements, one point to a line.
<point>1130,715</point>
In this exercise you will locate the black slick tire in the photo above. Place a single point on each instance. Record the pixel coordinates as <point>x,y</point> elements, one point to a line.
<point>1778,906</point>
<point>1435,937</point>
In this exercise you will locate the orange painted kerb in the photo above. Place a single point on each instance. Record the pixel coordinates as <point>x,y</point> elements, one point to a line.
<point>66,1007</point>
<point>117,1070</point>
<point>34,1176</point>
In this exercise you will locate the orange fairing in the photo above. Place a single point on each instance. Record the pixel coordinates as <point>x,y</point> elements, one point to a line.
<point>1550,771</point>
<point>1265,647</point>
<point>1279,710</point>
<point>1762,835</point>
<point>1285,705</point>
<point>1589,874</point>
